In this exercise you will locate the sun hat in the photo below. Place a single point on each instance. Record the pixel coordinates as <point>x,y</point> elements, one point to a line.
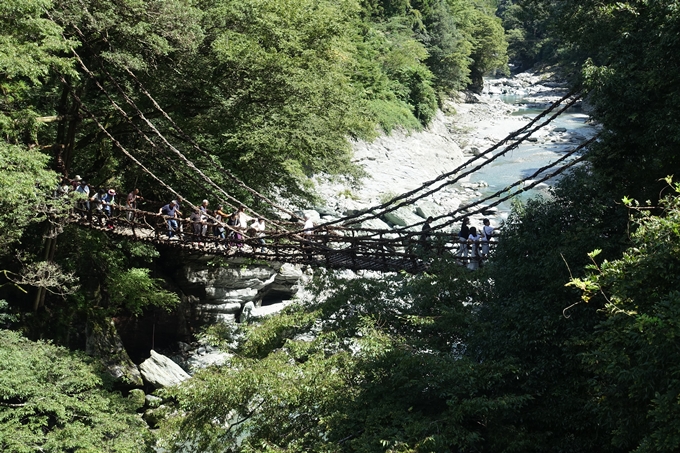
<point>112,192</point>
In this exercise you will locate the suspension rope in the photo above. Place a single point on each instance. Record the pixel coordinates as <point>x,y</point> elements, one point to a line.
<point>531,177</point>
<point>153,128</point>
<point>117,143</point>
<point>206,154</point>
<point>517,183</point>
<point>187,137</point>
<point>389,207</point>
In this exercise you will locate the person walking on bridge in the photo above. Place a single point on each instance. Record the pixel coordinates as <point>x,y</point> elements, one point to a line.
<point>463,235</point>
<point>426,233</point>
<point>259,227</point>
<point>487,233</point>
<point>170,213</point>
<point>473,239</point>
<point>131,203</point>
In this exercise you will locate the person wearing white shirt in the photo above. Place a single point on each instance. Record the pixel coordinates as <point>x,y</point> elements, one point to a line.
<point>259,227</point>
<point>473,239</point>
<point>243,218</point>
<point>487,233</point>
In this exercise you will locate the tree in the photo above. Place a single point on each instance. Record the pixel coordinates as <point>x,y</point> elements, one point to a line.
<point>634,352</point>
<point>625,55</point>
<point>27,188</point>
<point>53,400</point>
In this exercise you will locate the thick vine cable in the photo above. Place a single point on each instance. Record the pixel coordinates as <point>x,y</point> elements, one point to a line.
<point>407,230</point>
<point>356,218</point>
<point>389,205</point>
<point>118,144</point>
<point>499,201</point>
<point>188,138</point>
<point>154,129</point>
<point>359,217</point>
<point>206,154</point>
<point>511,186</point>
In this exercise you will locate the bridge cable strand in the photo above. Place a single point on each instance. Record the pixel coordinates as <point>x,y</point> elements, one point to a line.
<point>117,143</point>
<point>531,177</point>
<point>128,154</point>
<point>136,161</point>
<point>509,148</point>
<point>515,184</point>
<point>154,129</point>
<point>478,202</point>
<point>185,135</point>
<point>388,206</point>
<point>206,154</point>
<point>581,146</point>
<point>153,144</point>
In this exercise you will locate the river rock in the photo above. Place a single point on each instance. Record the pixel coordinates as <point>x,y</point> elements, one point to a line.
<point>198,362</point>
<point>159,371</point>
<point>374,224</point>
<point>403,216</point>
<point>264,311</point>
<point>426,208</point>
<point>220,292</point>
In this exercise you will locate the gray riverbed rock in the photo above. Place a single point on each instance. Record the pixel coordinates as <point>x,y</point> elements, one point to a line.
<point>159,371</point>
<point>426,208</point>
<point>220,290</point>
<point>403,216</point>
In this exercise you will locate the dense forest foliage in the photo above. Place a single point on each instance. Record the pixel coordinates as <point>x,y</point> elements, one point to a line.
<point>567,341</point>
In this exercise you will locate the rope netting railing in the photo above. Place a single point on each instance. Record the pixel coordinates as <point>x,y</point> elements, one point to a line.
<point>141,115</point>
<point>350,248</point>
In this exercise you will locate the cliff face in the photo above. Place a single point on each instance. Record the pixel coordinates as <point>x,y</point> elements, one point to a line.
<point>219,293</point>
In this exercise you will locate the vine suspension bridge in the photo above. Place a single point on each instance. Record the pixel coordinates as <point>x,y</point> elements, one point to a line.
<point>341,243</point>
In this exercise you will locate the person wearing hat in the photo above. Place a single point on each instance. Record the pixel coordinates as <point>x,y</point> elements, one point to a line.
<point>108,201</point>
<point>75,182</point>
<point>170,213</point>
<point>84,204</point>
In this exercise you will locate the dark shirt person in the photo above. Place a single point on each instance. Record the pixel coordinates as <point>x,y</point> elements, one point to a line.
<point>171,214</point>
<point>425,233</point>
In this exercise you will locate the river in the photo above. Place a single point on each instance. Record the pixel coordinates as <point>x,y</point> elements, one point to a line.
<point>573,127</point>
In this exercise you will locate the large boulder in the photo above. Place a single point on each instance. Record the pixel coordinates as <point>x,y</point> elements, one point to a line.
<point>103,342</point>
<point>159,371</point>
<point>374,224</point>
<point>427,208</point>
<point>403,216</point>
<point>220,292</point>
